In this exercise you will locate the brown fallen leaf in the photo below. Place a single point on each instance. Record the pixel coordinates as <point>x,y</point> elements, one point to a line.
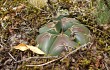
<point>24,47</point>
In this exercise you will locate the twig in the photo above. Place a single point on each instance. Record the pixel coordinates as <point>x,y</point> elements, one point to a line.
<point>5,2</point>
<point>106,66</point>
<point>75,51</point>
<point>1,40</point>
<point>46,62</point>
<point>105,57</point>
<point>60,58</point>
<point>26,59</point>
<point>1,45</point>
<point>14,60</point>
<point>12,57</point>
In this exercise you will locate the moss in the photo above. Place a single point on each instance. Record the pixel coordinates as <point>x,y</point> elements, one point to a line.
<point>103,12</point>
<point>85,62</point>
<point>34,18</point>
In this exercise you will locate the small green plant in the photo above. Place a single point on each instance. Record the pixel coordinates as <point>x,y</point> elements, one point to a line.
<point>103,12</point>
<point>65,32</point>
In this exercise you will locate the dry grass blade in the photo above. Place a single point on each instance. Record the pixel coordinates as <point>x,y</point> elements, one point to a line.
<point>46,62</point>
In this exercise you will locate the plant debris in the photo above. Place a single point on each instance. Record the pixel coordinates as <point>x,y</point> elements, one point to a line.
<point>20,22</point>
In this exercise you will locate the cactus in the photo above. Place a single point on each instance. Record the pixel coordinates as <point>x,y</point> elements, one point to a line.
<point>55,37</point>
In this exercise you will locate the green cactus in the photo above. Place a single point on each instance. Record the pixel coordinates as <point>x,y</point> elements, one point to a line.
<point>54,37</point>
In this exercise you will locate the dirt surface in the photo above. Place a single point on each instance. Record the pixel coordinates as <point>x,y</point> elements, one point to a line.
<point>20,21</point>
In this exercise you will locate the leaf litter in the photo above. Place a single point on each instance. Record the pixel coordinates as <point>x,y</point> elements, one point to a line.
<point>21,22</point>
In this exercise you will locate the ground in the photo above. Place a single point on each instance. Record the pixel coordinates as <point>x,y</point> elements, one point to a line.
<point>20,21</point>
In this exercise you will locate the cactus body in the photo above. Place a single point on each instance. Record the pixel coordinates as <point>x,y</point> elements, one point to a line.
<point>55,37</point>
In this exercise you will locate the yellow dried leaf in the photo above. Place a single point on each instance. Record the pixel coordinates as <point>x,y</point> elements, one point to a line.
<point>35,49</point>
<point>38,3</point>
<point>24,47</point>
<point>21,47</point>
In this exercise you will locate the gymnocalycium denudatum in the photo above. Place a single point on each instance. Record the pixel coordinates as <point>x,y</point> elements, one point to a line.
<point>55,36</point>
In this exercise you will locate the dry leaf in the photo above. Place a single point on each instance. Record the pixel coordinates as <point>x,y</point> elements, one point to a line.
<point>35,49</point>
<point>21,47</point>
<point>24,47</point>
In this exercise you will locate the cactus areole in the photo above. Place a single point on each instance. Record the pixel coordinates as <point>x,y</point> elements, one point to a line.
<point>67,32</point>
